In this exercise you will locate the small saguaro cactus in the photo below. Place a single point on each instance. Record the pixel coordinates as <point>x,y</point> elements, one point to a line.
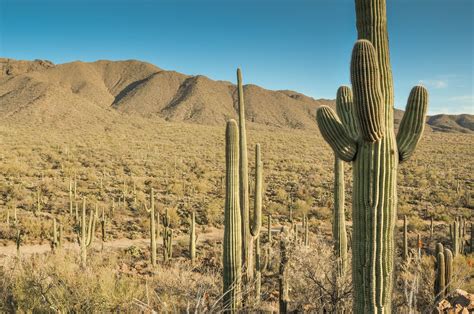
<point>431,228</point>
<point>18,241</point>
<point>448,260</point>
<point>269,228</point>
<point>440,282</point>
<point>71,200</point>
<point>86,236</point>
<point>375,155</point>
<point>306,231</point>
<point>167,238</point>
<point>192,238</point>
<point>153,232</point>
<point>54,238</point>
<point>103,227</point>
<point>232,251</point>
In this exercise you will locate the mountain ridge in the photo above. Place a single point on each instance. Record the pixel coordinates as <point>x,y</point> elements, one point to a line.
<point>40,91</point>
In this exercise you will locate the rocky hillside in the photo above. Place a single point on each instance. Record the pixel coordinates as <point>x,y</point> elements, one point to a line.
<point>79,92</point>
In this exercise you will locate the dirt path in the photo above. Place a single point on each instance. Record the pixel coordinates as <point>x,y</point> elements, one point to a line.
<point>211,234</point>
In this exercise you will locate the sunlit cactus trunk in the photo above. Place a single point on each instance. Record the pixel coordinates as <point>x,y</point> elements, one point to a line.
<point>153,232</point>
<point>192,238</point>
<point>375,155</point>
<point>87,232</point>
<point>232,252</point>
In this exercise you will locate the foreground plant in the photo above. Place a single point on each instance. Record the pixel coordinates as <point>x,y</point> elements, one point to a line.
<point>375,153</point>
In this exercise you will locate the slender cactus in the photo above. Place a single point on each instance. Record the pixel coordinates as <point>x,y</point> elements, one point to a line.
<point>86,236</point>
<point>232,251</point>
<point>167,238</point>
<point>151,211</point>
<point>247,240</point>
<point>375,154</point>
<point>70,198</point>
<point>431,228</point>
<point>306,231</point>
<point>54,238</point>
<point>405,238</point>
<point>18,241</point>
<point>284,297</point>
<point>440,282</point>
<point>192,238</point>
<point>269,228</point>
<point>448,260</point>
<point>103,227</point>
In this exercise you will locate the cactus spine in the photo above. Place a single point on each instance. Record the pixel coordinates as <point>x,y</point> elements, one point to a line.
<point>232,252</point>
<point>151,211</point>
<point>247,239</point>
<point>375,154</point>
<point>192,238</point>
<point>87,232</point>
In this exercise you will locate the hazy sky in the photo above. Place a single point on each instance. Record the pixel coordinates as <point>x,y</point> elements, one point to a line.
<point>280,44</point>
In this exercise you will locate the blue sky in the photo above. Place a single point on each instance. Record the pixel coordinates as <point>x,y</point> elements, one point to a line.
<point>300,45</point>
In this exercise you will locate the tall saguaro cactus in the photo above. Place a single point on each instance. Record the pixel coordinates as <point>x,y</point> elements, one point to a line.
<point>375,153</point>
<point>247,240</point>
<point>232,252</point>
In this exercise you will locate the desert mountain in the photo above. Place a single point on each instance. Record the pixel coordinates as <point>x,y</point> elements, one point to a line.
<point>93,92</point>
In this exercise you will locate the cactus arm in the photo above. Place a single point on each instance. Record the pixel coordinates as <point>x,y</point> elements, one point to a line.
<point>368,96</point>
<point>335,134</point>
<point>345,111</point>
<point>257,217</point>
<point>413,122</point>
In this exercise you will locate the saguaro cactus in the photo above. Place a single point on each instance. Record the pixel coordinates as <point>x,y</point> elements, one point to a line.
<point>375,154</point>
<point>232,252</point>
<point>284,297</point>
<point>440,281</point>
<point>167,237</point>
<point>54,238</point>
<point>103,227</point>
<point>448,260</point>
<point>86,236</point>
<point>192,238</point>
<point>244,184</point>
<point>153,232</point>
<point>405,238</point>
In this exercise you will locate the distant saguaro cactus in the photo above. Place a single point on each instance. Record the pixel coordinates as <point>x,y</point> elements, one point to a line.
<point>153,232</point>
<point>192,238</point>
<point>375,154</point>
<point>405,238</point>
<point>232,252</point>
<point>86,236</point>
<point>284,297</point>
<point>167,237</point>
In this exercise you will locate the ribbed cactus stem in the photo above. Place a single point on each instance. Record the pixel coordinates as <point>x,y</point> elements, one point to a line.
<point>192,238</point>
<point>419,244</point>
<point>284,297</point>
<point>244,186</point>
<point>375,154</point>
<point>405,238</point>
<point>339,223</point>
<point>87,232</point>
<point>440,282</point>
<point>232,251</point>
<point>259,267</point>
<point>167,238</point>
<point>448,260</point>
<point>103,227</point>
<point>455,238</point>
<point>151,211</point>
